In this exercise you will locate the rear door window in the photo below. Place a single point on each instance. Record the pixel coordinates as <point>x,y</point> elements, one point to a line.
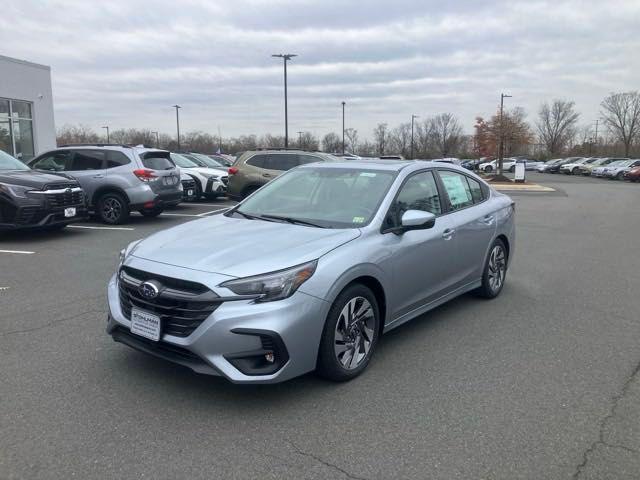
<point>116,159</point>
<point>257,161</point>
<point>304,159</point>
<point>457,188</point>
<point>476,190</point>
<point>281,161</point>
<point>88,160</point>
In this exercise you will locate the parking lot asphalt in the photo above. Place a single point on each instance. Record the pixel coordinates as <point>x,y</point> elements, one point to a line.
<point>542,382</point>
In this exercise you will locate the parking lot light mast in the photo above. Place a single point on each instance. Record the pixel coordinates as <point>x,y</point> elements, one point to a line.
<point>178,107</point>
<point>501,147</point>
<point>157,139</point>
<point>595,143</point>
<point>343,104</point>
<point>107,133</point>
<point>285,58</point>
<point>300,140</point>
<point>413,117</point>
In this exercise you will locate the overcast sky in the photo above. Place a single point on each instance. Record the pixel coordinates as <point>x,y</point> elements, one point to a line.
<point>123,63</point>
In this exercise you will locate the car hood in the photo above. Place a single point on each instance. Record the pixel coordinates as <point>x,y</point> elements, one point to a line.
<point>212,171</point>
<point>240,247</point>
<point>32,178</point>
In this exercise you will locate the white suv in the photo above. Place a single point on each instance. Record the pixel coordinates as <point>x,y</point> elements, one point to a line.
<point>210,182</point>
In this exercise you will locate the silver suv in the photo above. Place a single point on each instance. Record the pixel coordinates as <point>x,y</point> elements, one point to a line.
<point>118,178</point>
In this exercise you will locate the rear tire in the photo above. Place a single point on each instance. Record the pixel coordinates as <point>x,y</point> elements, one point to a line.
<point>620,176</point>
<point>112,209</point>
<point>495,271</point>
<point>350,334</point>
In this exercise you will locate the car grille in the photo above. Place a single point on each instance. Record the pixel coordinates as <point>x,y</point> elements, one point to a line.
<point>181,305</point>
<point>60,186</point>
<point>65,199</point>
<point>27,215</point>
<point>225,180</point>
<point>188,184</point>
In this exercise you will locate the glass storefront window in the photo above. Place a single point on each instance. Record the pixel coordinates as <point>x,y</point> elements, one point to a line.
<point>16,128</point>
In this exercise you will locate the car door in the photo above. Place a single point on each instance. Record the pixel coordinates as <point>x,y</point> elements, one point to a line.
<point>278,163</point>
<point>421,260</point>
<point>89,168</point>
<point>473,221</point>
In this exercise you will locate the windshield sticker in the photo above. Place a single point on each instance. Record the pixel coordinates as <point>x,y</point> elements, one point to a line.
<point>367,174</point>
<point>358,219</point>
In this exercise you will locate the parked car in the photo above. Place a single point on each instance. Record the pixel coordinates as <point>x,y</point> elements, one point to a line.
<point>617,172</point>
<point>391,157</point>
<point>470,163</point>
<point>188,187</point>
<point>633,175</point>
<point>614,163</point>
<point>118,178</point>
<point>224,160</point>
<point>586,169</point>
<point>205,160</point>
<point>209,182</point>
<point>544,166</point>
<point>347,156</point>
<point>555,168</point>
<point>507,164</point>
<point>574,168</point>
<point>315,267</point>
<point>256,168</point>
<point>30,199</point>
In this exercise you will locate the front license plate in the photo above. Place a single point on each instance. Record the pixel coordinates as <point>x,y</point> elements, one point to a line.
<point>190,193</point>
<point>70,212</point>
<point>145,324</point>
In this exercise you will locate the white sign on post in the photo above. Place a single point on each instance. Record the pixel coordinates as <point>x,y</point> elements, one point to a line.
<point>520,172</point>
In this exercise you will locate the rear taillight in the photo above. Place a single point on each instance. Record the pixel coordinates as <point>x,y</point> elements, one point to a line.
<point>233,170</point>
<point>145,175</point>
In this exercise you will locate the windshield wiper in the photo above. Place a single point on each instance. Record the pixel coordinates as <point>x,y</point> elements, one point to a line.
<point>245,215</point>
<point>295,221</point>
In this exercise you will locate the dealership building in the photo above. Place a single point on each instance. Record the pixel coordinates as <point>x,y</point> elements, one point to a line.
<point>26,108</point>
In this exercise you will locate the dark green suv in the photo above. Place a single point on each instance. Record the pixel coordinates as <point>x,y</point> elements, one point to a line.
<point>253,169</point>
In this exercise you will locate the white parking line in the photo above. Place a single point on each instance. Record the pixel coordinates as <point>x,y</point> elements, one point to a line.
<point>101,228</point>
<point>212,211</point>
<point>20,252</point>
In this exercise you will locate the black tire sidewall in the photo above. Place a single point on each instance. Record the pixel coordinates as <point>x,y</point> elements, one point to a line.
<point>485,290</point>
<point>328,365</point>
<point>124,215</point>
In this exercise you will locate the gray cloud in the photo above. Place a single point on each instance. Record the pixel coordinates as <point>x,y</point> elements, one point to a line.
<point>126,62</point>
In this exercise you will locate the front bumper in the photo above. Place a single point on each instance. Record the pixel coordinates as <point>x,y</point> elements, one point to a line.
<point>34,216</point>
<point>215,187</point>
<point>232,330</point>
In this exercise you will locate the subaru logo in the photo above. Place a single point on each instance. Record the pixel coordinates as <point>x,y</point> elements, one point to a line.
<point>68,190</point>
<point>148,290</point>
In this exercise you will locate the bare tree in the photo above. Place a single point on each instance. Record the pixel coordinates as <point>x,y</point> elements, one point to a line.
<point>447,133</point>
<point>400,139</point>
<point>308,141</point>
<point>557,125</point>
<point>380,137</point>
<point>621,114</point>
<point>331,142</point>
<point>351,139</point>
<point>70,134</point>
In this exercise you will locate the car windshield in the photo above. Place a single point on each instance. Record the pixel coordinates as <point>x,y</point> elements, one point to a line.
<point>209,162</point>
<point>7,162</point>
<point>181,161</point>
<point>322,197</point>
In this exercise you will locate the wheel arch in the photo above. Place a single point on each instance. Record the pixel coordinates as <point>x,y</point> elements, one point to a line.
<point>109,189</point>
<point>507,245</point>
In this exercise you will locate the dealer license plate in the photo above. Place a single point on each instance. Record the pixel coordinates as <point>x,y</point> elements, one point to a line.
<point>70,212</point>
<point>145,324</point>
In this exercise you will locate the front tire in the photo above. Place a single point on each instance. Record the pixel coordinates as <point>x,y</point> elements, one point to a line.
<point>350,334</point>
<point>488,169</point>
<point>495,271</point>
<point>112,209</point>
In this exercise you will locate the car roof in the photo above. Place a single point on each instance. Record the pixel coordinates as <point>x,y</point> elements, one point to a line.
<point>105,146</point>
<point>377,164</point>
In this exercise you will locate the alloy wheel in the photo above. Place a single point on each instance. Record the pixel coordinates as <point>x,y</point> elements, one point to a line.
<point>111,209</point>
<point>354,333</point>
<point>497,267</point>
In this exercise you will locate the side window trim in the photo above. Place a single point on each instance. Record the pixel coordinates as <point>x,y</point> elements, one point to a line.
<point>444,208</point>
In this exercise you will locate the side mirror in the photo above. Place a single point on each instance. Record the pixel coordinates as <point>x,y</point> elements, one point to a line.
<point>417,220</point>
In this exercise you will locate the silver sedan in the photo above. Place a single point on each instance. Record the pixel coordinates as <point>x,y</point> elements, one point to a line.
<point>310,270</point>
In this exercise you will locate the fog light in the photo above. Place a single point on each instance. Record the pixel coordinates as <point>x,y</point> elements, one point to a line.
<point>269,357</point>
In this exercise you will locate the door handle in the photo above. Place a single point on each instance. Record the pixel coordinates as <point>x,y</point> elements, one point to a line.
<point>267,175</point>
<point>448,233</point>
<point>488,219</point>
<point>98,176</point>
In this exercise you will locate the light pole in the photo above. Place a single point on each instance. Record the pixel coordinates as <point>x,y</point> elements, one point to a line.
<point>595,143</point>
<point>157,139</point>
<point>107,133</point>
<point>300,140</point>
<point>285,57</point>
<point>413,117</point>
<point>501,148</point>
<point>178,107</point>
<point>343,104</point>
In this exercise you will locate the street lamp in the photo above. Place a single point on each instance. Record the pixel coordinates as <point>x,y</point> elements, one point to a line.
<point>413,117</point>
<point>300,140</point>
<point>285,57</point>
<point>343,104</point>
<point>107,134</point>
<point>157,139</point>
<point>501,148</point>
<point>178,107</point>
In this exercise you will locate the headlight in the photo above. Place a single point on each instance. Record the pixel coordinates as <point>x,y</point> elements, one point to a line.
<point>275,285</point>
<point>16,190</point>
<point>125,252</point>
